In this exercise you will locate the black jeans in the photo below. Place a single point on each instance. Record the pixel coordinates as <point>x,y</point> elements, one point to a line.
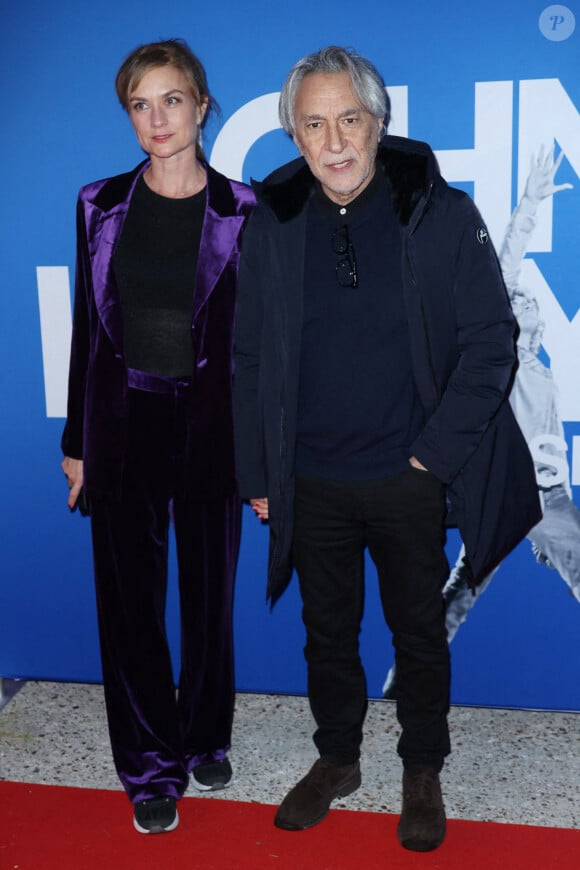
<point>401,521</point>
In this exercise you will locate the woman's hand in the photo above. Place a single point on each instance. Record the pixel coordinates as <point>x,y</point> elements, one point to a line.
<point>73,471</point>
<point>260,507</point>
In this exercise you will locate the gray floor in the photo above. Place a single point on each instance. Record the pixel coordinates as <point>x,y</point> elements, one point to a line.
<point>506,766</point>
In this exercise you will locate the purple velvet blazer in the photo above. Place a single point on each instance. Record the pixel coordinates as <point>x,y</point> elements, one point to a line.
<point>95,429</point>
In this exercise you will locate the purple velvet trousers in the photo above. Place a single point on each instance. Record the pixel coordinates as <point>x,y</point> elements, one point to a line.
<point>158,735</point>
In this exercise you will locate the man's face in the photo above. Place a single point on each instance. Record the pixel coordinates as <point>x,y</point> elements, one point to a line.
<point>335,135</point>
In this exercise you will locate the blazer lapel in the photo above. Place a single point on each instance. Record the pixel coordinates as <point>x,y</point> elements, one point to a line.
<point>221,228</point>
<point>103,230</point>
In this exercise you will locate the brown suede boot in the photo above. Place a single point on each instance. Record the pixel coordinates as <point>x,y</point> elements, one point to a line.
<point>309,801</point>
<point>422,823</point>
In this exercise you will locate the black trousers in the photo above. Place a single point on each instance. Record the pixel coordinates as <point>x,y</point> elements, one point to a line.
<point>401,521</point>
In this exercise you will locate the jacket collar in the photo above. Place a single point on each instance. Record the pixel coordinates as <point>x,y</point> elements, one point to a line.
<point>409,166</point>
<point>116,192</point>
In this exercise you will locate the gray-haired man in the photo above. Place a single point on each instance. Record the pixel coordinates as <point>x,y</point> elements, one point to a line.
<point>374,350</point>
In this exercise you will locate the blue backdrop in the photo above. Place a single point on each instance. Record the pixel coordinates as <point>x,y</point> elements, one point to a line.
<point>486,86</point>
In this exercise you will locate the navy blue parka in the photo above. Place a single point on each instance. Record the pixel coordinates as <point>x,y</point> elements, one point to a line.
<point>462,334</point>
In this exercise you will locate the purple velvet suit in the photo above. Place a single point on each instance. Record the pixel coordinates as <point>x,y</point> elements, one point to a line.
<point>148,444</point>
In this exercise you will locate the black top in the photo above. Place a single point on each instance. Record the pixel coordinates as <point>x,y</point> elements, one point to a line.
<point>155,264</point>
<point>358,409</point>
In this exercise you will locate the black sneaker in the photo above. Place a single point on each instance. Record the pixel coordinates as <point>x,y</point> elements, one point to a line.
<point>156,815</point>
<point>212,776</point>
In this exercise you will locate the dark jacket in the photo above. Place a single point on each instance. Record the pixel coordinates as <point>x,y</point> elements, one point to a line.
<point>96,425</point>
<point>462,346</point>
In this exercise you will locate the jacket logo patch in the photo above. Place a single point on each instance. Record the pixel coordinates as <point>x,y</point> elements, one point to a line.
<point>482,236</point>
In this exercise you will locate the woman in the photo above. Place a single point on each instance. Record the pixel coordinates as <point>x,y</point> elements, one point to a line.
<point>149,432</point>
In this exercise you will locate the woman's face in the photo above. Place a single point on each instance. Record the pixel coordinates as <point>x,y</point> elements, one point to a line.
<point>527,315</point>
<point>164,113</point>
<point>526,311</point>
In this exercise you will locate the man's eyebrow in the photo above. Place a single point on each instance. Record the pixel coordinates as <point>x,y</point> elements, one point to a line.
<point>316,117</point>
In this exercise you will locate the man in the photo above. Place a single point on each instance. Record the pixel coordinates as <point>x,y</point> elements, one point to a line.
<point>374,350</point>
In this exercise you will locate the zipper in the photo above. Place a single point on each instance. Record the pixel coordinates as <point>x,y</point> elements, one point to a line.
<point>414,282</point>
<point>421,212</point>
<point>283,444</point>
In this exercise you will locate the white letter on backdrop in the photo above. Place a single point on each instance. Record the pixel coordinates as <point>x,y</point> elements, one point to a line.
<point>547,114</point>
<point>246,126</point>
<point>55,331</point>
<point>489,163</point>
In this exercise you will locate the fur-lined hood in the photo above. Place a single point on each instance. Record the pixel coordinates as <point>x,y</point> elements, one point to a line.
<point>409,165</point>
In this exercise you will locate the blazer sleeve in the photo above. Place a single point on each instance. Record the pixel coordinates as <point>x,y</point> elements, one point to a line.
<point>485,330</point>
<point>72,437</point>
<point>248,430</point>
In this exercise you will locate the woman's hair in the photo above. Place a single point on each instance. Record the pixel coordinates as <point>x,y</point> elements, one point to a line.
<point>366,82</point>
<point>170,52</point>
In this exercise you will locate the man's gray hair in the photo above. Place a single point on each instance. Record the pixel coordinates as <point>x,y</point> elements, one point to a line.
<point>366,82</point>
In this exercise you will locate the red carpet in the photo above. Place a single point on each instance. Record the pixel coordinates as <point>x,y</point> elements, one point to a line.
<point>46,827</point>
